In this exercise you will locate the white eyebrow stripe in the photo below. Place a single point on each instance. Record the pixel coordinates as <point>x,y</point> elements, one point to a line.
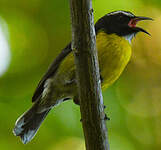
<point>123,12</point>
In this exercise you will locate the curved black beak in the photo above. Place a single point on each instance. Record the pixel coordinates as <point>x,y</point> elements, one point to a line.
<point>140,18</point>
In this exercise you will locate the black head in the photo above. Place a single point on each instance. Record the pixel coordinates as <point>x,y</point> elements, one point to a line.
<point>122,23</point>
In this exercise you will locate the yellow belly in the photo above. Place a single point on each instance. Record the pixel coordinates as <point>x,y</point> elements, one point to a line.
<point>114,53</point>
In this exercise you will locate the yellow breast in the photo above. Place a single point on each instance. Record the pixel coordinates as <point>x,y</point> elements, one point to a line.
<point>114,53</point>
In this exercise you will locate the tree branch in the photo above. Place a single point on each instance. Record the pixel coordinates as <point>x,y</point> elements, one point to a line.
<point>87,71</point>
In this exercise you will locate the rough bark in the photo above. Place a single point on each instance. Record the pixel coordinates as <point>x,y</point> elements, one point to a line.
<point>87,71</point>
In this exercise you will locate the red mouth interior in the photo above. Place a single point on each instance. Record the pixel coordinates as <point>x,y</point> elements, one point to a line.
<point>132,23</point>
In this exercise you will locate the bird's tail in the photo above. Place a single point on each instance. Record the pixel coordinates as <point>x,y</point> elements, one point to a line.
<point>28,124</point>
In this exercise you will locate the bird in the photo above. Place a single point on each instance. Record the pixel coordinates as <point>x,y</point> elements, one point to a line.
<point>114,33</point>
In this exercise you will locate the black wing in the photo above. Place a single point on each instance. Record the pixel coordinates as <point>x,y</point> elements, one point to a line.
<point>51,71</point>
<point>55,65</point>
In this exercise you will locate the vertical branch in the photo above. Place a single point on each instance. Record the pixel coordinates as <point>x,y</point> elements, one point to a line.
<point>88,77</point>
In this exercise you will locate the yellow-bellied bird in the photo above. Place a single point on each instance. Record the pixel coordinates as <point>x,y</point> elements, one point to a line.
<point>114,33</point>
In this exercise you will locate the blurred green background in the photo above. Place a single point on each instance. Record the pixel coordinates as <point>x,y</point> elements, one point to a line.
<point>33,32</point>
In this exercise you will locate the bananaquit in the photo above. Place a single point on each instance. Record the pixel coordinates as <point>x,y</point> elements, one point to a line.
<point>114,33</point>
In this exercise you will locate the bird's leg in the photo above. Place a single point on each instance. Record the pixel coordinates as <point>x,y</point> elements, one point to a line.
<point>77,102</point>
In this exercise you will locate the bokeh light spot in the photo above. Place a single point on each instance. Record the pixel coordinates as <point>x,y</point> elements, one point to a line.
<point>4,48</point>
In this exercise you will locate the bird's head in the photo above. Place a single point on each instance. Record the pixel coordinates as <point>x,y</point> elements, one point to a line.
<point>122,23</point>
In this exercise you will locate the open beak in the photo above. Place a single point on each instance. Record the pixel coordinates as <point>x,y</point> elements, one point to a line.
<point>135,20</point>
